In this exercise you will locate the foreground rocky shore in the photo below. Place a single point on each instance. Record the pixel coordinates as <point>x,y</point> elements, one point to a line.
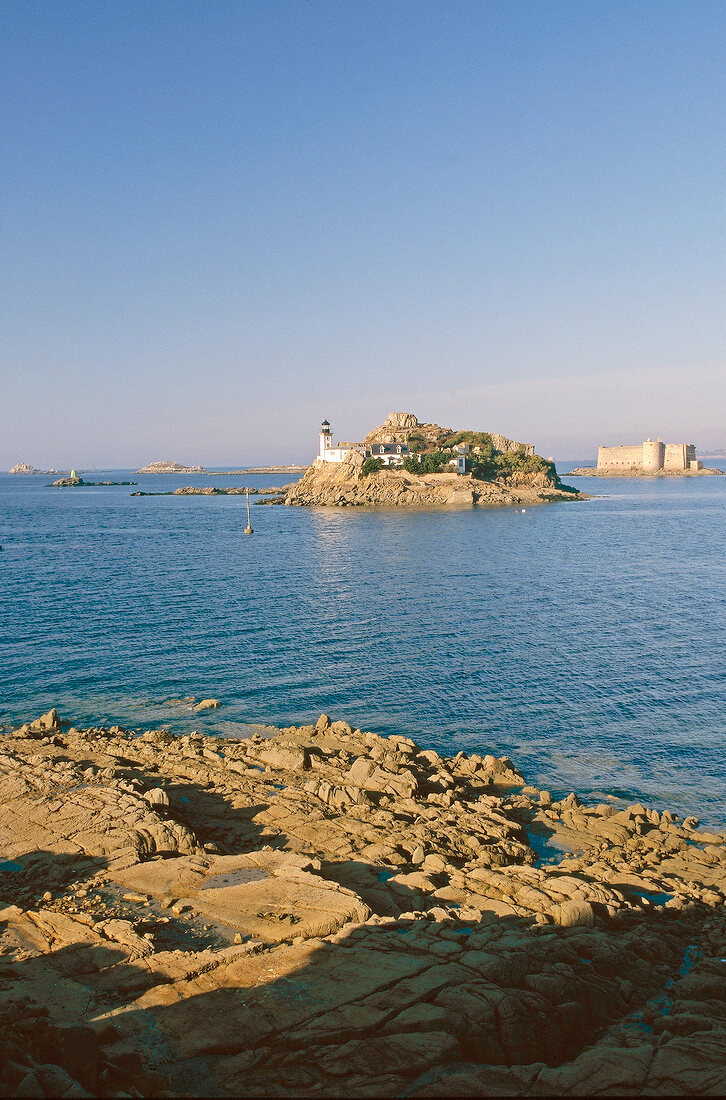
<point>327,912</point>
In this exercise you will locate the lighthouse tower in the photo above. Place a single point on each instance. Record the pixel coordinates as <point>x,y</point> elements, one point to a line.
<point>326,438</point>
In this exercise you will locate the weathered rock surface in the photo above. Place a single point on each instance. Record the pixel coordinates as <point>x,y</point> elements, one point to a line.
<point>213,491</point>
<point>399,427</point>
<point>325,911</point>
<point>342,484</point>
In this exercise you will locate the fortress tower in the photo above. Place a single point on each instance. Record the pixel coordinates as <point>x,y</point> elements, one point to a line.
<point>653,455</point>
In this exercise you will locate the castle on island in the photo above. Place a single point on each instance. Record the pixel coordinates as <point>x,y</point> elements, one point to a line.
<point>651,457</point>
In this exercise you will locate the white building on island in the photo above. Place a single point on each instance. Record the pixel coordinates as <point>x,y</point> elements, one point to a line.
<point>390,454</point>
<point>329,453</point>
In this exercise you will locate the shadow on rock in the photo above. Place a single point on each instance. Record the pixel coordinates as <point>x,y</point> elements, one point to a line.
<point>429,1007</point>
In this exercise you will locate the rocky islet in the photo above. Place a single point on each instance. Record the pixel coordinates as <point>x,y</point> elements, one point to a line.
<point>344,484</point>
<point>26,468</point>
<point>166,466</point>
<point>79,483</point>
<point>326,911</point>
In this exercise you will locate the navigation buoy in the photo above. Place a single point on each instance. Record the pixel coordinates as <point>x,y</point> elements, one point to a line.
<point>248,528</point>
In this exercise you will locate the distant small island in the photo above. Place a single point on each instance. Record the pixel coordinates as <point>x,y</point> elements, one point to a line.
<point>292,469</point>
<point>653,458</point>
<point>78,483</point>
<point>166,467</point>
<point>25,468</point>
<point>177,468</point>
<point>209,491</point>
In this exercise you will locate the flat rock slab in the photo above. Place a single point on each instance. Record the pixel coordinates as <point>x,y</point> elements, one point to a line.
<point>264,895</point>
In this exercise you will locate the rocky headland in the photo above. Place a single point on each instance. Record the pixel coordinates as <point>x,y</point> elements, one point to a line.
<point>326,912</point>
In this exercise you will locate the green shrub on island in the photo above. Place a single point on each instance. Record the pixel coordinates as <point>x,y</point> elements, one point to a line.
<point>432,463</point>
<point>474,439</point>
<point>488,464</point>
<point>491,464</point>
<point>416,442</point>
<point>484,466</point>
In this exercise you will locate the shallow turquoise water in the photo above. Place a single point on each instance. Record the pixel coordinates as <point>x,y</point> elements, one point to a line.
<point>585,640</point>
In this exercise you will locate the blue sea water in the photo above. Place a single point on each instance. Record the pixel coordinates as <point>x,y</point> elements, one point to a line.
<point>584,640</point>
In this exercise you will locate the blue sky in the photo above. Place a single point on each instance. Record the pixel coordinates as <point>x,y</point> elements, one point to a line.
<point>221,222</point>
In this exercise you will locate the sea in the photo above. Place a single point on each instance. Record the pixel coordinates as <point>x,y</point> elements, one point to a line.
<point>584,640</point>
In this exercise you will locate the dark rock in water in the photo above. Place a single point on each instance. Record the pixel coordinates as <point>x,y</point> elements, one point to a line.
<point>78,482</point>
<point>206,491</point>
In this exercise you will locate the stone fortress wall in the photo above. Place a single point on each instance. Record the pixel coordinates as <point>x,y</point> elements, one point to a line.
<point>620,458</point>
<point>652,456</point>
<point>680,456</point>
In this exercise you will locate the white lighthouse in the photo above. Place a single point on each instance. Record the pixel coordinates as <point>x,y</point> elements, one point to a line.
<point>326,438</point>
<point>329,453</point>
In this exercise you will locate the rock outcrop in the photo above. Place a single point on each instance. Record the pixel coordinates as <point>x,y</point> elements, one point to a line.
<point>212,491</point>
<point>325,911</point>
<point>399,427</point>
<point>79,483</point>
<point>24,468</point>
<point>343,484</point>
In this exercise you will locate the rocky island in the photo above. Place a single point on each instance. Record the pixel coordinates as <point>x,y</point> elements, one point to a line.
<point>76,482</point>
<point>208,491</point>
<point>326,912</point>
<point>290,469</point>
<point>404,462</point>
<point>25,468</point>
<point>166,467</point>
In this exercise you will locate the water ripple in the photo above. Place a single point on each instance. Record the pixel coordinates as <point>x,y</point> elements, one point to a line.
<point>582,640</point>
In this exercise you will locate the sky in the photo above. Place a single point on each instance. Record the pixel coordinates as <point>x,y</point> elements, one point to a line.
<point>223,221</point>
